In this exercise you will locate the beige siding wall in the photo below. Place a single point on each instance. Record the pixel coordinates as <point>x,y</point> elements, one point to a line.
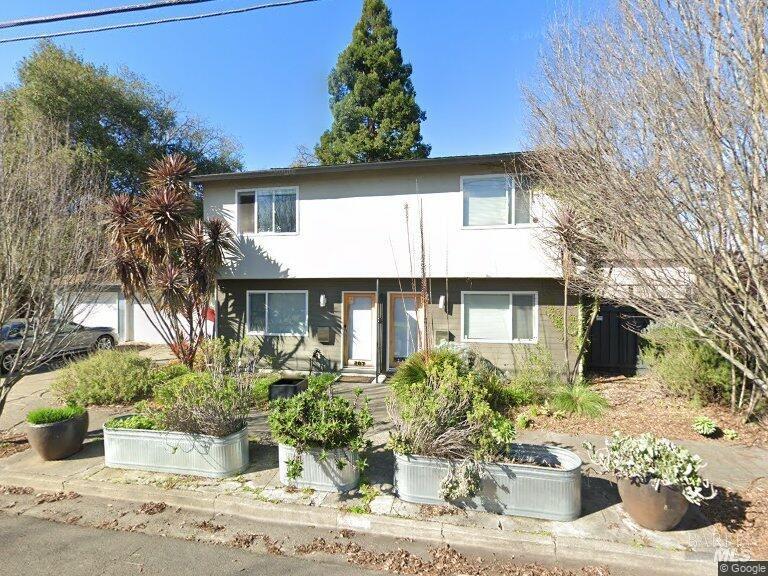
<point>294,353</point>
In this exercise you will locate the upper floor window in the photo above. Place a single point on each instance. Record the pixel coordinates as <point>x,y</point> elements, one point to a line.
<point>267,211</point>
<point>496,200</point>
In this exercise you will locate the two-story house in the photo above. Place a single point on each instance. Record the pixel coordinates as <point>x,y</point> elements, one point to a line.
<point>331,260</point>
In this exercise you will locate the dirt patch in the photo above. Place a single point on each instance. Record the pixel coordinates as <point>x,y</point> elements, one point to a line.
<point>11,444</point>
<point>641,404</point>
<point>742,518</point>
<point>152,508</point>
<point>442,561</point>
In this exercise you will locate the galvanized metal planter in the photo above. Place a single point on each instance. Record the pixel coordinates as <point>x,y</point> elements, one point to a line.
<point>512,489</point>
<point>321,473</point>
<point>176,452</point>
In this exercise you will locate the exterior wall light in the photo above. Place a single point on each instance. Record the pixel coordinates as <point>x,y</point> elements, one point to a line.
<point>441,302</point>
<point>323,300</point>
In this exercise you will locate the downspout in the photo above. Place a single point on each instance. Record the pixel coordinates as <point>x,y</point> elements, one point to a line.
<point>379,324</point>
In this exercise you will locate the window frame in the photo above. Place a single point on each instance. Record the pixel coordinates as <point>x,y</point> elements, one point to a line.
<point>511,294</point>
<point>255,192</point>
<point>266,331</point>
<point>510,201</point>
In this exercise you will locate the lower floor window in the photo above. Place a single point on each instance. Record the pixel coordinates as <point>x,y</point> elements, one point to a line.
<point>500,316</point>
<point>277,313</point>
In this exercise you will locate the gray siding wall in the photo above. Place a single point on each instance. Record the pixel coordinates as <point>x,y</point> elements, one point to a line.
<point>294,353</point>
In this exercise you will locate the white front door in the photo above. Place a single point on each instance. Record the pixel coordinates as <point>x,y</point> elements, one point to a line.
<point>405,318</point>
<point>360,329</point>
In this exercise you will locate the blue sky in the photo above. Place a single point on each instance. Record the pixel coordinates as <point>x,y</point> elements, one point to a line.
<point>262,76</point>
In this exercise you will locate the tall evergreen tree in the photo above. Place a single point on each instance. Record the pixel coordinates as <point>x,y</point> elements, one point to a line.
<point>375,114</point>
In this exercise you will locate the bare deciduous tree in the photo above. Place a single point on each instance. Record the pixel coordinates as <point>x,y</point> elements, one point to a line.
<point>50,242</point>
<point>656,123</point>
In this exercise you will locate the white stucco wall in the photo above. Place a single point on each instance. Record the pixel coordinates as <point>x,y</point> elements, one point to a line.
<point>354,226</point>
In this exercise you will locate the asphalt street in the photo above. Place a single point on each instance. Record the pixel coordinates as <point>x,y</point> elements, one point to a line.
<point>42,548</point>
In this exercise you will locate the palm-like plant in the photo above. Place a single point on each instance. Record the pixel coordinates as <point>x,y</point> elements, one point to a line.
<point>166,258</point>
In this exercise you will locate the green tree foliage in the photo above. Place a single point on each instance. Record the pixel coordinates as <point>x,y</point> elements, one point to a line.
<point>375,114</point>
<point>119,119</point>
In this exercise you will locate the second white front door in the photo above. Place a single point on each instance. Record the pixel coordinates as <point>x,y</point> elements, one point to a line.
<point>360,329</point>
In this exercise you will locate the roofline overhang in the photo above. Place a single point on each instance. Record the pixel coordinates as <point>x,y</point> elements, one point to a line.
<point>499,158</point>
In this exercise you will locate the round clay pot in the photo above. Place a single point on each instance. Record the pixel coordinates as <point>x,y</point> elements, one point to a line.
<point>660,509</point>
<point>58,440</point>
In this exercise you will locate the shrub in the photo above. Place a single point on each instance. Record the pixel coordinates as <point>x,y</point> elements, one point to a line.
<point>532,383</point>
<point>261,389</point>
<point>704,425</point>
<point>685,365</point>
<point>317,419</point>
<point>578,399</point>
<point>645,459</point>
<point>731,434</point>
<point>203,403</point>
<point>134,422</point>
<point>161,375</point>
<point>106,377</point>
<point>51,415</point>
<point>441,407</point>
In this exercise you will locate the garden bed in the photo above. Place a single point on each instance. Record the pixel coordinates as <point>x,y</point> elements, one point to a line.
<point>176,452</point>
<point>639,404</point>
<point>551,491</point>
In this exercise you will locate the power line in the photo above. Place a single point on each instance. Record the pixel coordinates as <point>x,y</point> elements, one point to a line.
<point>99,12</point>
<point>153,22</point>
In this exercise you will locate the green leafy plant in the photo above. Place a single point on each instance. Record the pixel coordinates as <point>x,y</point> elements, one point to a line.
<point>106,377</point>
<point>687,366</point>
<point>704,425</point>
<point>523,420</point>
<point>318,419</point>
<point>203,403</point>
<point>133,422</point>
<point>578,399</point>
<point>462,481</point>
<point>730,434</point>
<point>441,406</point>
<point>52,415</point>
<point>647,459</point>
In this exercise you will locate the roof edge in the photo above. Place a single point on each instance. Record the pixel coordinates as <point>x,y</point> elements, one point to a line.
<point>363,166</point>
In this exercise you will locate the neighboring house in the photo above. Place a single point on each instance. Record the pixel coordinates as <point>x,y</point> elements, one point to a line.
<point>330,261</point>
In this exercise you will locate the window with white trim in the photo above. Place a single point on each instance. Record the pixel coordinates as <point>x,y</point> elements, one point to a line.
<point>277,313</point>
<point>499,316</point>
<point>497,200</point>
<point>267,211</point>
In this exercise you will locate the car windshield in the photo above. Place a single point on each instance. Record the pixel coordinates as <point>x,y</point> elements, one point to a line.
<point>11,330</point>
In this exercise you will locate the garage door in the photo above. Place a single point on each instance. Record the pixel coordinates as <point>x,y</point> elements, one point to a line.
<point>143,330</point>
<point>99,309</point>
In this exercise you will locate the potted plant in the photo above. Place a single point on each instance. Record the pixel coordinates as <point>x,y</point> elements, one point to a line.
<point>57,433</point>
<point>320,437</point>
<point>195,425</point>
<point>452,447</point>
<point>657,479</point>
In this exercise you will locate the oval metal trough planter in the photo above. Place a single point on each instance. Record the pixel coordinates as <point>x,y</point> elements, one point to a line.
<point>536,491</point>
<point>321,473</point>
<point>176,452</point>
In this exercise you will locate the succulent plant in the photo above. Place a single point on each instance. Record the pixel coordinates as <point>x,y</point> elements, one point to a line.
<point>731,434</point>
<point>704,425</point>
<point>647,459</point>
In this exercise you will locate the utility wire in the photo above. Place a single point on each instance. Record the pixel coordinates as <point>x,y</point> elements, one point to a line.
<point>153,22</point>
<point>99,12</point>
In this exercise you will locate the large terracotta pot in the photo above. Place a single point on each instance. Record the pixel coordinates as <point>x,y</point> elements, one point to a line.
<point>660,509</point>
<point>58,440</point>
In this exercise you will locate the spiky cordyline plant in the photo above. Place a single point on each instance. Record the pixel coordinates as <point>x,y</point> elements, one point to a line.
<point>167,259</point>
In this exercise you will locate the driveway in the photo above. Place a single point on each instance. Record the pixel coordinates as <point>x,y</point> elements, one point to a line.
<point>34,391</point>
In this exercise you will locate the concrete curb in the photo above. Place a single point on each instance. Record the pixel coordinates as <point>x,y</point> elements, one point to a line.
<point>569,550</point>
